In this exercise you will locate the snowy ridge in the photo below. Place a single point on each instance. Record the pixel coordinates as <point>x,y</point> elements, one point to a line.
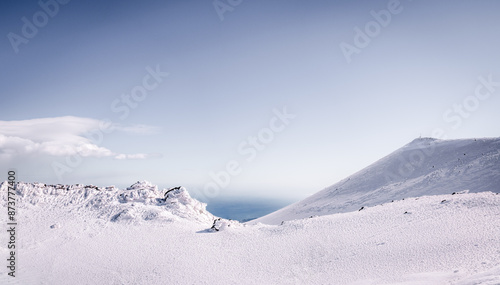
<point>442,239</point>
<point>142,201</point>
<point>425,166</point>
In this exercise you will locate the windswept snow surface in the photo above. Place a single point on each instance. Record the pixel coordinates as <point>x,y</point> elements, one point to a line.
<point>91,235</point>
<point>426,166</point>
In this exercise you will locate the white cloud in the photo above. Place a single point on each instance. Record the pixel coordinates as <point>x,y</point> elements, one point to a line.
<point>138,129</point>
<point>137,156</point>
<point>63,136</point>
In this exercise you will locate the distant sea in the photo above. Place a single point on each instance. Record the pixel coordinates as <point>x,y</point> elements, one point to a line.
<point>244,210</point>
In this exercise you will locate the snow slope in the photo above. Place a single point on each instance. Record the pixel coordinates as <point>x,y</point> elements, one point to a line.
<point>425,166</point>
<point>72,235</point>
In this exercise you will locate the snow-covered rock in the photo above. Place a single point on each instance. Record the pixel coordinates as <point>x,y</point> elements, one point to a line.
<point>143,185</point>
<point>142,201</point>
<point>221,224</point>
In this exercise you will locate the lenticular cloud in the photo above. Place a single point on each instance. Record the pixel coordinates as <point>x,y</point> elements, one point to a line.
<point>63,136</point>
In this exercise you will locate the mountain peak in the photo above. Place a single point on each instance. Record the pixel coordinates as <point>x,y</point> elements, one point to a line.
<point>423,139</point>
<point>421,142</point>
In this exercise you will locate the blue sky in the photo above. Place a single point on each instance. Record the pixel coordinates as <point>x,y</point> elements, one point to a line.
<point>238,98</point>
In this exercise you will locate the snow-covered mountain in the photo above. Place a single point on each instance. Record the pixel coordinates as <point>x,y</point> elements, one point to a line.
<point>425,166</point>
